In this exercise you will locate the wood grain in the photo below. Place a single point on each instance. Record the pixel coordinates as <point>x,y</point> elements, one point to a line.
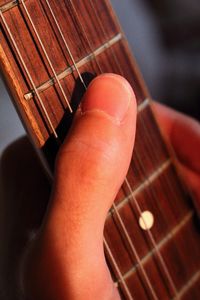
<point>152,176</point>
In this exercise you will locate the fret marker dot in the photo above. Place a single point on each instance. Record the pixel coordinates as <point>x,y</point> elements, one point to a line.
<point>146,220</point>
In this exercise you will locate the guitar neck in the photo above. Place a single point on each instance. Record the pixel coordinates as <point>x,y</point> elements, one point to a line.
<point>92,39</point>
<point>49,52</point>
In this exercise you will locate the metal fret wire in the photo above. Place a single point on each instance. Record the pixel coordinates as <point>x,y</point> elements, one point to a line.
<point>153,195</point>
<point>121,222</point>
<point>56,75</point>
<point>85,34</point>
<point>114,207</point>
<point>65,42</point>
<point>133,249</point>
<point>148,231</point>
<point>160,257</point>
<point>126,181</point>
<point>157,252</point>
<point>105,36</point>
<point>167,183</point>
<point>56,136</point>
<point>29,76</point>
<point>105,243</point>
<point>141,164</point>
<point>63,38</point>
<point>46,55</point>
<point>121,277</point>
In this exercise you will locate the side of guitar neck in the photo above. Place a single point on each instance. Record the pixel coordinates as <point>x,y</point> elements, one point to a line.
<point>47,50</point>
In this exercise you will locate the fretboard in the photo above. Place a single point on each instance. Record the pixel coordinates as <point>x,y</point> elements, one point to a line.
<point>49,52</point>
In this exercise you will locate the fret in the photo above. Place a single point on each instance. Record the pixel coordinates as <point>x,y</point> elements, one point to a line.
<point>50,96</point>
<point>9,5</point>
<point>155,174</point>
<point>143,105</point>
<point>152,177</point>
<point>184,280</point>
<point>160,245</point>
<point>53,46</point>
<point>44,80</point>
<point>166,208</point>
<point>194,279</point>
<point>144,161</point>
<point>79,64</point>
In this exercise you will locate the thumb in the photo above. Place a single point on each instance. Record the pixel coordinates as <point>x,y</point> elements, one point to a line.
<point>98,147</point>
<point>91,166</point>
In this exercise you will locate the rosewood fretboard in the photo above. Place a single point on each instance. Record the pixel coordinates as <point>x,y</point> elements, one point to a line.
<point>160,263</point>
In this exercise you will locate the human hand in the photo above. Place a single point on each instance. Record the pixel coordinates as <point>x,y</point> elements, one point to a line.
<point>183,134</point>
<point>66,261</point>
<point>70,260</point>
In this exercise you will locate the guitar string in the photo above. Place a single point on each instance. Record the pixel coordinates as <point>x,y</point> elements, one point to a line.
<point>49,122</point>
<point>56,136</point>
<point>122,73</point>
<point>153,195</point>
<point>167,184</point>
<point>105,36</point>
<point>108,249</point>
<point>95,58</point>
<point>148,231</point>
<point>141,164</point>
<point>169,187</point>
<point>85,34</point>
<point>65,43</point>
<point>44,50</point>
<point>117,269</point>
<point>133,249</point>
<point>137,157</point>
<point>172,287</point>
<point>46,54</point>
<point>159,256</point>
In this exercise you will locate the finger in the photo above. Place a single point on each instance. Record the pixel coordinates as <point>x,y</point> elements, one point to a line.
<point>99,147</point>
<point>90,169</point>
<point>183,133</point>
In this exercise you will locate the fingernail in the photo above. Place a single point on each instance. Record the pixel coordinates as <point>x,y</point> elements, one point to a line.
<point>110,94</point>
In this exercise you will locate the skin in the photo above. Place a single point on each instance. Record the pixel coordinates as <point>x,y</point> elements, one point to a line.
<point>65,259</point>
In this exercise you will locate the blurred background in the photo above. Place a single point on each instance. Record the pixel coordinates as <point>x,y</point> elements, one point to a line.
<point>165,39</point>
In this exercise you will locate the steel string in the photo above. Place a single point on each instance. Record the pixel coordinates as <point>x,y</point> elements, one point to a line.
<point>65,42</point>
<point>149,232</point>
<point>105,243</point>
<point>134,251</point>
<point>29,76</point>
<point>85,34</point>
<point>45,53</point>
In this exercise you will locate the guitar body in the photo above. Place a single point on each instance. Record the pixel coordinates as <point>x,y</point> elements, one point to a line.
<point>49,52</point>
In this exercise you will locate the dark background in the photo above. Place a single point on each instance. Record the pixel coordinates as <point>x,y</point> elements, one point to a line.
<point>165,39</point>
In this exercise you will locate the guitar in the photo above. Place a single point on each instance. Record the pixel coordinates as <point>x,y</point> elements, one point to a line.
<point>49,52</point>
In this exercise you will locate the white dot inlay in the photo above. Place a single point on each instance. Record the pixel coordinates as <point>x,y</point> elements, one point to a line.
<point>146,220</point>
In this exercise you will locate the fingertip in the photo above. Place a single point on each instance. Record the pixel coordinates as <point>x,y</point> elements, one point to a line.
<point>111,94</point>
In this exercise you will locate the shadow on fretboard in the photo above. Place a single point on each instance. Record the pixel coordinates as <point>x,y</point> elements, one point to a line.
<point>51,147</point>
